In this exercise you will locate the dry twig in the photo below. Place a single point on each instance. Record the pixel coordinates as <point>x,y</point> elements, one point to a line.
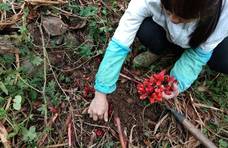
<point>131,137</point>
<point>69,130</point>
<point>46,2</point>
<point>159,123</point>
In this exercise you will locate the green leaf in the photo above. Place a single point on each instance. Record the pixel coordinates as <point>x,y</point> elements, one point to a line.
<point>88,11</point>
<point>85,51</point>
<point>2,100</point>
<point>3,88</point>
<point>4,7</point>
<point>223,143</point>
<point>29,135</point>
<point>226,118</point>
<point>42,109</point>
<point>17,102</point>
<point>23,30</point>
<point>36,61</point>
<point>2,113</point>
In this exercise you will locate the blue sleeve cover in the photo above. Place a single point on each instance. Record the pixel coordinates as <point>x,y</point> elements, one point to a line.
<point>109,69</point>
<point>188,67</point>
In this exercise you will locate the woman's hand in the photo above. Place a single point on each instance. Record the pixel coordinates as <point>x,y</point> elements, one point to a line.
<point>173,94</point>
<point>98,108</point>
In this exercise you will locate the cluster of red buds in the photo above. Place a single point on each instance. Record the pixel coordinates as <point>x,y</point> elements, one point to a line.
<point>153,87</point>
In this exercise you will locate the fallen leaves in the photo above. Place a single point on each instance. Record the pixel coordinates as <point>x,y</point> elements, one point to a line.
<point>3,136</point>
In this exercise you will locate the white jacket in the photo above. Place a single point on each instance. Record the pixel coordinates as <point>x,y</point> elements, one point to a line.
<point>176,33</point>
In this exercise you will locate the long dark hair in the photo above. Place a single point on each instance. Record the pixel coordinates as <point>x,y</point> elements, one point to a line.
<point>208,12</point>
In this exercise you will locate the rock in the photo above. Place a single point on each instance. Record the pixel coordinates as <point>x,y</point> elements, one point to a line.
<point>54,26</point>
<point>7,45</point>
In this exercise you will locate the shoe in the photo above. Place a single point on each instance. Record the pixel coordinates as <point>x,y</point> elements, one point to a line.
<point>145,59</point>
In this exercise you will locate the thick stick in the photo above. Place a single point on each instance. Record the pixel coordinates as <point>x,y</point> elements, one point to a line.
<point>193,130</point>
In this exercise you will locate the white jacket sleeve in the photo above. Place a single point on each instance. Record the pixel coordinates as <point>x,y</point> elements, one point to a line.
<point>130,22</point>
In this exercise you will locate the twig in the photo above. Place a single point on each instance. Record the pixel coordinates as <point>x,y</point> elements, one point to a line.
<point>159,123</point>
<point>55,77</point>
<point>134,76</point>
<point>57,145</point>
<point>69,13</point>
<point>216,77</point>
<point>131,79</point>
<point>131,137</point>
<point>45,74</point>
<point>18,66</point>
<point>7,107</point>
<point>95,125</point>
<point>30,85</point>
<point>72,69</point>
<point>121,136</point>
<point>143,112</point>
<point>69,130</point>
<point>201,121</point>
<point>210,107</point>
<point>46,2</point>
<point>8,103</point>
<point>216,134</point>
<point>41,141</point>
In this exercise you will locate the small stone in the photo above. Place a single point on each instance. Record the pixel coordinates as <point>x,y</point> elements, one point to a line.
<point>54,26</point>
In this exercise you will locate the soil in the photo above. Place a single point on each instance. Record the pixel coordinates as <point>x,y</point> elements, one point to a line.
<point>124,102</point>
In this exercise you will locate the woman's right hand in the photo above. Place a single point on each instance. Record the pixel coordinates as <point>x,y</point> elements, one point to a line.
<point>98,108</point>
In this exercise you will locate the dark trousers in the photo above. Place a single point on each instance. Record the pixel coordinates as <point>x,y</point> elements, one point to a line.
<point>153,37</point>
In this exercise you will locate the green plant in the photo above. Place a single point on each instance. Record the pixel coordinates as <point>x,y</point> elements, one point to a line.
<point>29,135</point>
<point>17,102</point>
<point>4,7</point>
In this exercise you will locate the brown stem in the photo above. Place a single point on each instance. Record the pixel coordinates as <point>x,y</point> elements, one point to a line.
<point>69,131</point>
<point>121,135</point>
<point>131,79</point>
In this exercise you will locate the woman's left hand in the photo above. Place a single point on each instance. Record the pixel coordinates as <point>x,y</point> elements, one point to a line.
<point>173,94</point>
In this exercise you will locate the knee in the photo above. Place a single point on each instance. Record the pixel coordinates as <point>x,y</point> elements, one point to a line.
<point>151,35</point>
<point>219,63</point>
<point>219,59</point>
<point>219,66</point>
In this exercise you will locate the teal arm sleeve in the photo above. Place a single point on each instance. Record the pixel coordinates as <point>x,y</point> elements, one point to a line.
<point>188,67</point>
<point>109,69</point>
